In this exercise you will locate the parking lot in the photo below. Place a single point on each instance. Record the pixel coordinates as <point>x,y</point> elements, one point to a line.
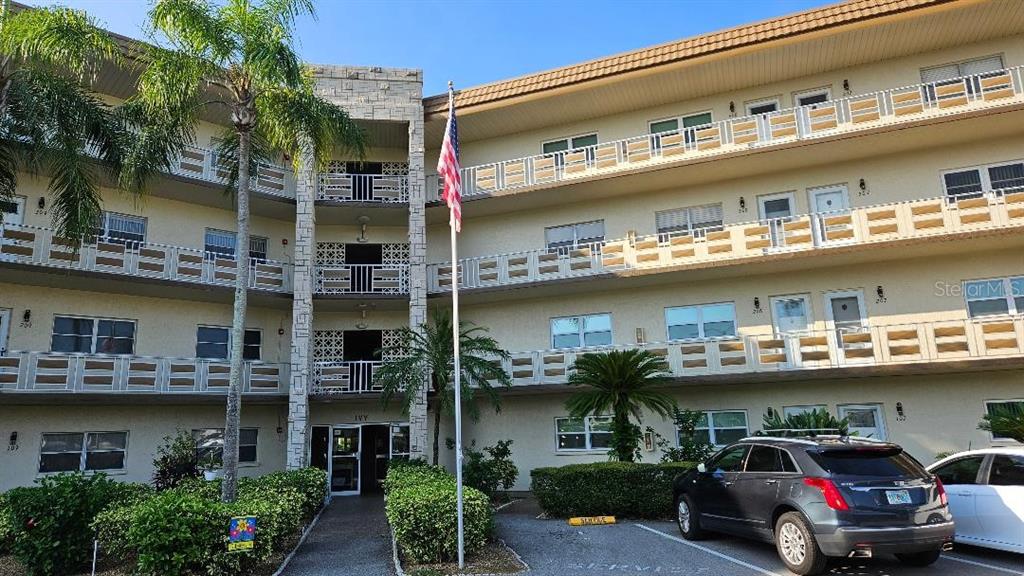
<point>553,548</point>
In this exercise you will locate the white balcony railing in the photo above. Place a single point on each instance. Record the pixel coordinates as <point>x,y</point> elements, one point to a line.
<point>850,114</point>
<point>202,164</point>
<point>804,233</point>
<point>349,377</point>
<point>94,373</point>
<point>375,188</point>
<point>39,246</point>
<point>362,279</point>
<point>912,343</point>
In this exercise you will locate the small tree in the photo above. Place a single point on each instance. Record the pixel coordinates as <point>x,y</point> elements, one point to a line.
<point>177,460</point>
<point>691,447</point>
<point>817,421</point>
<point>620,383</point>
<point>1004,421</point>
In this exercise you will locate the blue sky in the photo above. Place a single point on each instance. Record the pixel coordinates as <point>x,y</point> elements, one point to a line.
<point>484,41</point>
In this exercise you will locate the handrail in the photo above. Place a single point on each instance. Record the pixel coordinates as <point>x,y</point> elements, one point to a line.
<point>345,377</point>
<point>801,232</point>
<point>40,246</point>
<point>375,188</point>
<point>202,164</point>
<point>362,279</point>
<point>820,120</point>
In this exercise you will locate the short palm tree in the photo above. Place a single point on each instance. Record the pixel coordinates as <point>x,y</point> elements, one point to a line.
<point>1005,422</point>
<point>49,117</point>
<point>620,383</point>
<point>426,357</point>
<point>236,58</point>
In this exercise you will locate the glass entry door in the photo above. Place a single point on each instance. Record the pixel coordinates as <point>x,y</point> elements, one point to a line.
<point>776,210</point>
<point>865,420</point>
<point>791,318</point>
<point>345,441</point>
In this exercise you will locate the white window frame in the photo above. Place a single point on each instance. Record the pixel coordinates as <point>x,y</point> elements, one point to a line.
<point>710,428</point>
<point>241,462</point>
<point>95,332</point>
<point>20,203</point>
<point>228,330</point>
<point>1008,296</point>
<point>83,453</point>
<point>103,229</point>
<point>253,239</point>
<point>587,434</point>
<point>700,321</point>
<point>575,235</point>
<point>826,90</point>
<point>582,333</point>
<point>973,87</point>
<point>1009,401</point>
<point>986,180</point>
<point>691,229</point>
<point>569,141</point>
<point>680,121</point>
<point>762,102</point>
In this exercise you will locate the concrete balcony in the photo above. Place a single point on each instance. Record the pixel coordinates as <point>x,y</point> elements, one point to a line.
<point>866,113</point>
<point>363,188</point>
<point>344,378</point>
<point>35,246</point>
<point>748,242</point>
<point>957,345</point>
<point>201,164</point>
<point>388,280</point>
<point>56,373</point>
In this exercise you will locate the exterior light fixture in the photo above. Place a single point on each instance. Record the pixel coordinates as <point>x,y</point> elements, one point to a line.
<point>12,442</point>
<point>880,291</point>
<point>743,204</point>
<point>363,221</point>
<point>26,317</point>
<point>846,85</point>
<point>863,187</point>
<point>732,108</point>
<point>900,414</point>
<point>41,203</point>
<point>757,305</point>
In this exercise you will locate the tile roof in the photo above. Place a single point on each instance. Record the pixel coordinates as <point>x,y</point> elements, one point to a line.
<point>679,50</point>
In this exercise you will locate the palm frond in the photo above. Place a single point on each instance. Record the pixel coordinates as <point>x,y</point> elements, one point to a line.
<point>1004,422</point>
<point>194,28</point>
<point>60,39</point>
<point>620,381</point>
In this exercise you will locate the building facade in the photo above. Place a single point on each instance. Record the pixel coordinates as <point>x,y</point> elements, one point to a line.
<point>824,210</point>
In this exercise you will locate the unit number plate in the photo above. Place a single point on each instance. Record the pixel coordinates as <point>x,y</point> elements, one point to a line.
<point>898,496</point>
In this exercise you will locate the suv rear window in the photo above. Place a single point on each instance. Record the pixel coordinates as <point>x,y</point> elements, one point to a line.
<point>868,462</point>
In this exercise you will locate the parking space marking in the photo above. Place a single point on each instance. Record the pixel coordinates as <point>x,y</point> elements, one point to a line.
<point>715,553</point>
<point>981,564</point>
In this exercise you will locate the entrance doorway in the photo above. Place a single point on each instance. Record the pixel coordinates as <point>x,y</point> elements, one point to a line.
<point>362,350</point>
<point>362,178</point>
<point>791,318</point>
<point>356,456</point>
<point>846,318</point>
<point>776,210</point>
<point>361,258</point>
<point>829,202</point>
<point>866,420</point>
<point>5,328</point>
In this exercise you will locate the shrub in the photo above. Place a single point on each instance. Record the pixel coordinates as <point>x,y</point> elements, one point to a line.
<point>420,507</point>
<point>176,533</point>
<point>176,460</point>
<point>6,528</point>
<point>309,483</point>
<point>692,447</point>
<point>607,488</point>
<point>51,521</point>
<point>491,469</point>
<point>817,421</point>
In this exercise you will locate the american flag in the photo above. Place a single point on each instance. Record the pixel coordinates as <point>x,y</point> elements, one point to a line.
<point>448,166</point>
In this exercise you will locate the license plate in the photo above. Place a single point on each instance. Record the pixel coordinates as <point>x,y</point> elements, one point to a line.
<point>898,496</point>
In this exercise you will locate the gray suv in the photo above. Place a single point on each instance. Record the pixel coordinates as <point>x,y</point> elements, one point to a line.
<point>817,497</point>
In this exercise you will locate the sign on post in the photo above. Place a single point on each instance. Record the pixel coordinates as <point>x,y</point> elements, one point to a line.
<point>241,533</point>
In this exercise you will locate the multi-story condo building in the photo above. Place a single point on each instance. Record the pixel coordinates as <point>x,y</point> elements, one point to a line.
<point>820,210</point>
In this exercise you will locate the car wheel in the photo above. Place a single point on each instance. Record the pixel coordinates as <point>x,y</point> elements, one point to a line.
<point>687,518</point>
<point>919,558</point>
<point>797,546</point>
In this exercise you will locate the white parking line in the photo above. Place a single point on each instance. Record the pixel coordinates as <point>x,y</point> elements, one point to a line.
<point>715,553</point>
<point>981,564</point>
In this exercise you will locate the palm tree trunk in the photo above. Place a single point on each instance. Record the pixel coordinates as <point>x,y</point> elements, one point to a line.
<point>621,432</point>
<point>437,430</point>
<point>233,416</point>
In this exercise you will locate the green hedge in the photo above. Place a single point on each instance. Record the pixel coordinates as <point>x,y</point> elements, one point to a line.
<point>626,489</point>
<point>420,506</point>
<point>6,528</point>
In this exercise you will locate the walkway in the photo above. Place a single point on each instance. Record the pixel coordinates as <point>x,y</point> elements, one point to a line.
<point>351,538</point>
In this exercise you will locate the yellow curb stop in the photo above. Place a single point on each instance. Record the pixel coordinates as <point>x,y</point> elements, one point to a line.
<point>591,520</point>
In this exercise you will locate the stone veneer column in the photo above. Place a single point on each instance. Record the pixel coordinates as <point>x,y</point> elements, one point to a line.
<point>417,269</point>
<point>297,456</point>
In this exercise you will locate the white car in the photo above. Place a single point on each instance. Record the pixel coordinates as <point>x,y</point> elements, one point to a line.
<point>986,496</point>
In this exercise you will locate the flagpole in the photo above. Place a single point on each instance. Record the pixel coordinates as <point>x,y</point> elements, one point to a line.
<point>457,368</point>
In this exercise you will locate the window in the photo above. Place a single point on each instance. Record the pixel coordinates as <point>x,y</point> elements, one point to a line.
<point>730,460</point>
<point>210,444</point>
<point>883,461</point>
<point>92,335</point>
<point>689,124</point>
<point>121,228</point>
<point>995,296</point>
<point>704,321</point>
<point>566,144</point>
<point>762,106</point>
<point>590,433</point>
<point>1007,470</point>
<point>215,342</point>
<point>695,220</point>
<point>975,182</point>
<point>569,236</point>
<point>769,459</point>
<point>952,73</point>
<point>720,427</point>
<point>1007,407</point>
<point>82,452</point>
<point>811,97</point>
<point>222,243</point>
<point>961,471</point>
<point>581,331</point>
<point>400,442</point>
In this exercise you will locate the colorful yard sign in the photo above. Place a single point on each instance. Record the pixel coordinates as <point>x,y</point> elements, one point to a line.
<point>241,533</point>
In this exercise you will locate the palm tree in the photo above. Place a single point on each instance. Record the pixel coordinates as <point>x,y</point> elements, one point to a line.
<point>810,423</point>
<point>1004,422</point>
<point>427,355</point>
<point>49,117</point>
<point>620,383</point>
<point>236,57</point>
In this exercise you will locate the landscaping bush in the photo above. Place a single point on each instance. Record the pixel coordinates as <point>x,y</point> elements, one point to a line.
<point>51,522</point>
<point>627,489</point>
<point>177,460</point>
<point>420,507</point>
<point>6,530</point>
<point>176,533</point>
<point>491,469</point>
<point>309,483</point>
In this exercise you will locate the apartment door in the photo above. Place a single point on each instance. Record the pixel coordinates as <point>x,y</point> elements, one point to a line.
<point>826,203</point>
<point>345,459</point>
<point>13,212</point>
<point>844,313</point>
<point>776,210</point>
<point>791,318</point>
<point>375,454</point>
<point>763,110</point>
<point>866,420</point>
<point>361,260</point>
<point>362,347</point>
<point>362,178</point>
<point>5,328</point>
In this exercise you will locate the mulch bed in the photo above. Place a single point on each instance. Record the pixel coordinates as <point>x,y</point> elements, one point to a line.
<point>495,558</point>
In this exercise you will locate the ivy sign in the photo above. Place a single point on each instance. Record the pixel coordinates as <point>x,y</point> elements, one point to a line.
<point>241,533</point>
